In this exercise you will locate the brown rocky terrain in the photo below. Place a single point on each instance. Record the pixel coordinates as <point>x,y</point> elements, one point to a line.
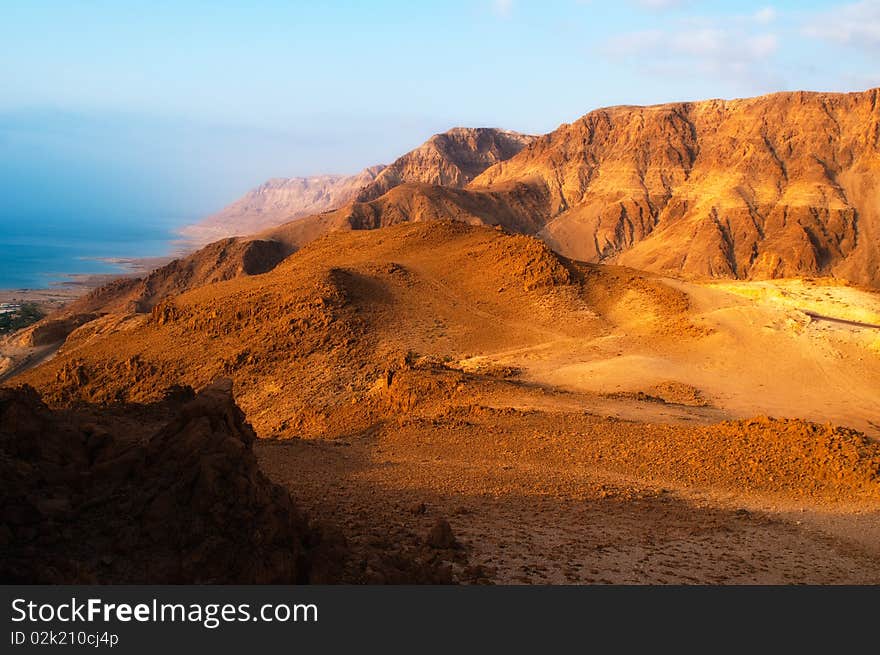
<point>777,186</point>
<point>582,366</point>
<point>572,422</point>
<point>169,493</point>
<point>277,201</point>
<point>450,159</point>
<point>128,296</point>
<point>222,260</point>
<point>81,504</point>
<point>519,212</point>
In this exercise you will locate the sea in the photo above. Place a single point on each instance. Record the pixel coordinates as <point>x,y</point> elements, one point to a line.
<point>39,254</point>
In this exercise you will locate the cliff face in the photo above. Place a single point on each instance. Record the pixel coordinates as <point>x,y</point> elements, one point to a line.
<point>82,504</point>
<point>521,210</point>
<point>451,159</point>
<point>775,186</point>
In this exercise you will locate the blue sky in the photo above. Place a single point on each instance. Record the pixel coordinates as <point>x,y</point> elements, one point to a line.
<point>128,110</point>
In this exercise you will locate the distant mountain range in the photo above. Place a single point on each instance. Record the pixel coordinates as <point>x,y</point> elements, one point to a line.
<point>783,185</point>
<point>452,159</point>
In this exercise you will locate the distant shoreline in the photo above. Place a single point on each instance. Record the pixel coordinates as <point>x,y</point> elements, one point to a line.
<point>73,285</point>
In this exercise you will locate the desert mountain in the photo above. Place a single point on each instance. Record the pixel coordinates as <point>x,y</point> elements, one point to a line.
<point>450,159</point>
<point>312,327</point>
<point>782,185</point>
<point>277,201</point>
<point>520,211</point>
<point>567,417</point>
<point>306,342</point>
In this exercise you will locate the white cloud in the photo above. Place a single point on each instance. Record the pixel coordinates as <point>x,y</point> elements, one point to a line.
<point>762,46</point>
<point>660,4</point>
<point>765,16</point>
<point>736,51</point>
<point>856,24</point>
<point>502,8</point>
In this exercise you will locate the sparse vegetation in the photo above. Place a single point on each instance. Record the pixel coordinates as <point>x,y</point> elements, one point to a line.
<point>16,317</point>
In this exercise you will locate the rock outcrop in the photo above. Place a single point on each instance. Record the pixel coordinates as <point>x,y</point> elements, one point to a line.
<point>451,159</point>
<point>167,493</point>
<point>781,185</point>
<point>189,504</point>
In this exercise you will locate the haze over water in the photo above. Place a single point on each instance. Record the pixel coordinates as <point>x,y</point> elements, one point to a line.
<point>36,254</point>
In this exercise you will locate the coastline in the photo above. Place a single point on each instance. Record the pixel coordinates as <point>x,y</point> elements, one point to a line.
<point>17,356</point>
<point>73,285</point>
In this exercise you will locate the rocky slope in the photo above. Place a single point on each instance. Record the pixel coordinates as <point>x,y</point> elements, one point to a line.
<point>168,493</point>
<point>277,201</point>
<point>315,330</point>
<point>222,260</point>
<point>450,159</point>
<point>439,388</point>
<point>780,185</point>
<point>783,185</point>
<point>520,211</point>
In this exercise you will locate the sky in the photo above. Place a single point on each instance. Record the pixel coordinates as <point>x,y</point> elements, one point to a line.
<point>122,110</point>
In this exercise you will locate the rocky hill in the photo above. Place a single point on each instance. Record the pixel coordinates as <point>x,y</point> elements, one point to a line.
<point>222,260</point>
<point>784,185</point>
<point>781,185</point>
<point>309,329</point>
<point>479,390</point>
<point>460,401</point>
<point>451,159</point>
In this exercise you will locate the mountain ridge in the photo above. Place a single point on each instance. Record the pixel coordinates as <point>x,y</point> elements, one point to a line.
<point>783,185</point>
<point>780,185</point>
<point>452,158</point>
<point>278,200</point>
